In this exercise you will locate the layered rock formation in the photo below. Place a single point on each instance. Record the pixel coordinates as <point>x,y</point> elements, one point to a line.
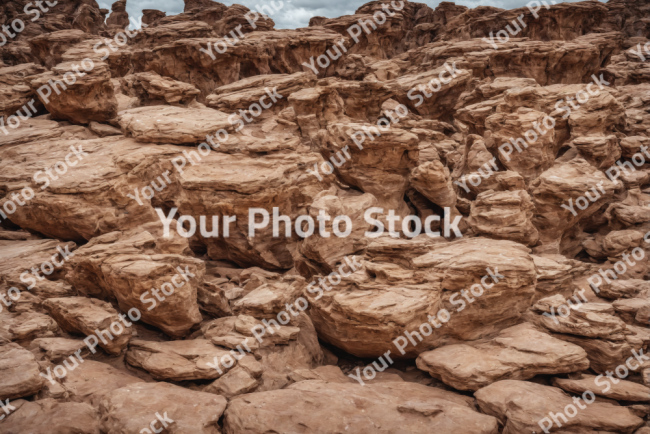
<point>404,220</point>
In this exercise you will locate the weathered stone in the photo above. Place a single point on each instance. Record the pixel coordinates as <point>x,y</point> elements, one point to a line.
<point>134,407</point>
<point>516,353</point>
<point>20,372</point>
<point>520,406</point>
<point>400,407</point>
<point>90,316</point>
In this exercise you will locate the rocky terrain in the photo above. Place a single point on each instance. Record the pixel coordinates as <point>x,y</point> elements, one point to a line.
<point>461,202</point>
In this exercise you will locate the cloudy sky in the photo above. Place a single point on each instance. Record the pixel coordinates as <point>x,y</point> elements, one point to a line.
<point>296,13</point>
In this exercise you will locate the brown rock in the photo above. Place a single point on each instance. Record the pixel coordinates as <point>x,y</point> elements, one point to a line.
<point>396,298</point>
<point>126,266</point>
<point>119,16</point>
<point>517,353</point>
<point>50,416</point>
<point>623,390</point>
<point>176,360</point>
<point>90,316</point>
<point>520,406</point>
<point>134,407</point>
<point>89,98</point>
<point>91,381</point>
<point>407,407</point>
<point>20,373</point>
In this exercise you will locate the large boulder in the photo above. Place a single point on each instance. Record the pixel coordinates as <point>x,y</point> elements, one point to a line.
<point>76,92</point>
<point>374,307</point>
<point>131,266</point>
<point>389,408</point>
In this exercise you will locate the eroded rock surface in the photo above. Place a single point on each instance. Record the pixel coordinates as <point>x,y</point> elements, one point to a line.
<point>505,154</point>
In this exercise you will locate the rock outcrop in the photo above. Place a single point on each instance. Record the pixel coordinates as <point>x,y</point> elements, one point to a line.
<point>408,219</point>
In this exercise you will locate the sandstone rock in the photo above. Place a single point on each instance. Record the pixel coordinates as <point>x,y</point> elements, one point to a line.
<point>175,360</point>
<point>134,407</point>
<point>91,316</point>
<point>623,288</point>
<point>91,381</point>
<point>383,411</point>
<point>28,325</point>
<point>49,47</point>
<point>89,98</point>
<point>20,372</point>
<point>161,124</point>
<point>51,416</point>
<point>152,89</point>
<point>517,353</point>
<point>149,16</point>
<point>391,298</point>
<point>119,16</point>
<point>561,185</point>
<point>71,208</point>
<point>103,130</point>
<point>521,135</point>
<point>15,89</point>
<point>504,215</point>
<point>329,374</point>
<point>57,349</point>
<point>520,405</point>
<point>623,390</point>
<point>126,266</point>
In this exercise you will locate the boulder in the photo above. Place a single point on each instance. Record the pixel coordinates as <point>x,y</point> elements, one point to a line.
<point>89,316</point>
<point>516,353</point>
<point>20,372</point>
<point>379,409</point>
<point>135,407</point>
<point>525,406</point>
<point>50,416</point>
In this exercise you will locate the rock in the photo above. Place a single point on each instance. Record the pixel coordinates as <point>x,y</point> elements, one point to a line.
<point>516,353</point>
<point>149,16</point>
<point>553,276</point>
<point>581,321</point>
<point>57,349</point>
<point>328,374</point>
<point>103,130</point>
<point>241,94</point>
<point>561,185</point>
<point>623,288</point>
<point>389,296</point>
<point>521,406</point>
<point>91,381</point>
<point>90,316</point>
<point>27,326</point>
<point>504,215</point>
<point>88,98</point>
<point>176,360</point>
<point>134,407</point>
<point>152,89</point>
<point>178,125</point>
<point>119,16</point>
<point>49,47</point>
<point>15,89</point>
<point>128,265</point>
<point>20,372</point>
<point>623,390</point>
<point>71,208</point>
<point>306,403</point>
<point>51,416</point>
